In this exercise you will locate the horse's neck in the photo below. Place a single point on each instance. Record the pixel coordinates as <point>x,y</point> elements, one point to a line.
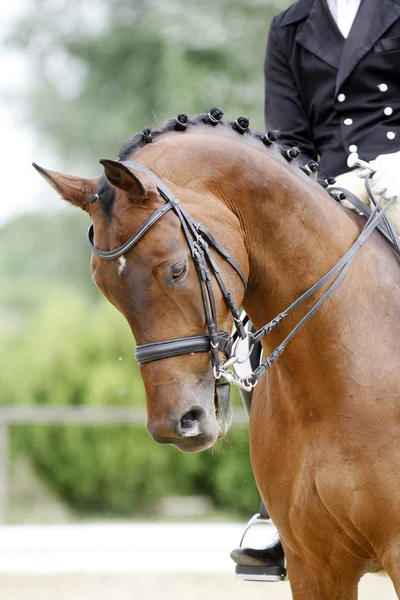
<point>293,230</point>
<point>294,234</point>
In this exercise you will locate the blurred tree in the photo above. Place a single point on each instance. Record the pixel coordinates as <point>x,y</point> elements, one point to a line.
<point>103,70</point>
<point>40,253</point>
<point>84,356</point>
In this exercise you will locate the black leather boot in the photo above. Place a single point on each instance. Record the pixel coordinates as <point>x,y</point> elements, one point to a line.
<point>265,564</point>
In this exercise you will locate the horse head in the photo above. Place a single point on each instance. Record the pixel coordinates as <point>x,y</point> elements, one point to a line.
<point>155,285</point>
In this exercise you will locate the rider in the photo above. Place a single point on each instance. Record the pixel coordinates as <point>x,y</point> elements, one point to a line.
<point>332,88</point>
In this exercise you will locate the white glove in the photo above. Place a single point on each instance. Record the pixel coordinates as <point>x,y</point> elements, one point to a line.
<point>386,181</point>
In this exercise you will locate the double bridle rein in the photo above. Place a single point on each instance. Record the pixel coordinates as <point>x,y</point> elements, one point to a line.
<point>200,240</point>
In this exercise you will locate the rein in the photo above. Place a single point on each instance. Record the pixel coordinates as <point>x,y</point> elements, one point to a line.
<point>199,240</point>
<point>376,220</point>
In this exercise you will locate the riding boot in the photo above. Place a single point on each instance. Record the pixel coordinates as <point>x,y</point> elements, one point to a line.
<point>265,564</point>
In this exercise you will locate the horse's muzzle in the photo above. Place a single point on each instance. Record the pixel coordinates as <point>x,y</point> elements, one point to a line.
<point>197,428</point>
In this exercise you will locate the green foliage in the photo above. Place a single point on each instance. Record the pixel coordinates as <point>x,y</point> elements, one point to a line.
<point>38,254</point>
<point>107,69</point>
<point>79,352</point>
<point>233,483</point>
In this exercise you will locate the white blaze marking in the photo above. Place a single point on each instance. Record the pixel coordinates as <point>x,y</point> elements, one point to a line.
<point>121,264</point>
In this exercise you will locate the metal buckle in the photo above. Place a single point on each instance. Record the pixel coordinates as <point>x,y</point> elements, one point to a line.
<point>243,384</point>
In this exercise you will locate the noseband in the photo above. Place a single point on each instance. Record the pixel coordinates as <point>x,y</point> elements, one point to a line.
<point>199,240</point>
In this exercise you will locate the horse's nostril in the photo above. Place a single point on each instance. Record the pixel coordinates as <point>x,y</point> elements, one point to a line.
<point>190,422</point>
<point>189,419</point>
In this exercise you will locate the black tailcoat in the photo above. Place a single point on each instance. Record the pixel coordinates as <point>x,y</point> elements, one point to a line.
<point>330,95</point>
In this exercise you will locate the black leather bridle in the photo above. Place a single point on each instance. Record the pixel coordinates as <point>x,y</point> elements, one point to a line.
<point>199,240</point>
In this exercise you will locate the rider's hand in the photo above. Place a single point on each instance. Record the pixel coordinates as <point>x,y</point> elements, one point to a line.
<point>386,181</point>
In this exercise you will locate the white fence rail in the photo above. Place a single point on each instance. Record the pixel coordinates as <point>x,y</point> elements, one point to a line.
<point>65,415</point>
<point>119,548</point>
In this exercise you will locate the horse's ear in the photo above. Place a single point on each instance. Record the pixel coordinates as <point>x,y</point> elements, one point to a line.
<point>123,178</point>
<point>75,190</point>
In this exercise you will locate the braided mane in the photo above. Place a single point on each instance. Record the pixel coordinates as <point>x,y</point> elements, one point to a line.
<point>183,122</point>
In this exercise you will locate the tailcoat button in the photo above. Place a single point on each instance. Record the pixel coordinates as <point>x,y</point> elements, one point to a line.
<point>341,98</point>
<point>388,111</point>
<point>348,121</point>
<point>382,87</point>
<point>353,148</point>
<point>390,135</point>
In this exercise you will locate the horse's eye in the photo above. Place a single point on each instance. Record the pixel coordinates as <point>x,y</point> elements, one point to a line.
<point>179,270</point>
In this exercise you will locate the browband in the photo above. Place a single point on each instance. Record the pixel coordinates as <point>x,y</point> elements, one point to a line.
<point>171,202</point>
<point>131,243</point>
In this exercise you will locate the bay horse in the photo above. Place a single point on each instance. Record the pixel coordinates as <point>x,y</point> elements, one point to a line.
<point>325,420</point>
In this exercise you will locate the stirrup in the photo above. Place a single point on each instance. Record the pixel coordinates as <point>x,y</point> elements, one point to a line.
<point>256,519</point>
<point>270,574</point>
